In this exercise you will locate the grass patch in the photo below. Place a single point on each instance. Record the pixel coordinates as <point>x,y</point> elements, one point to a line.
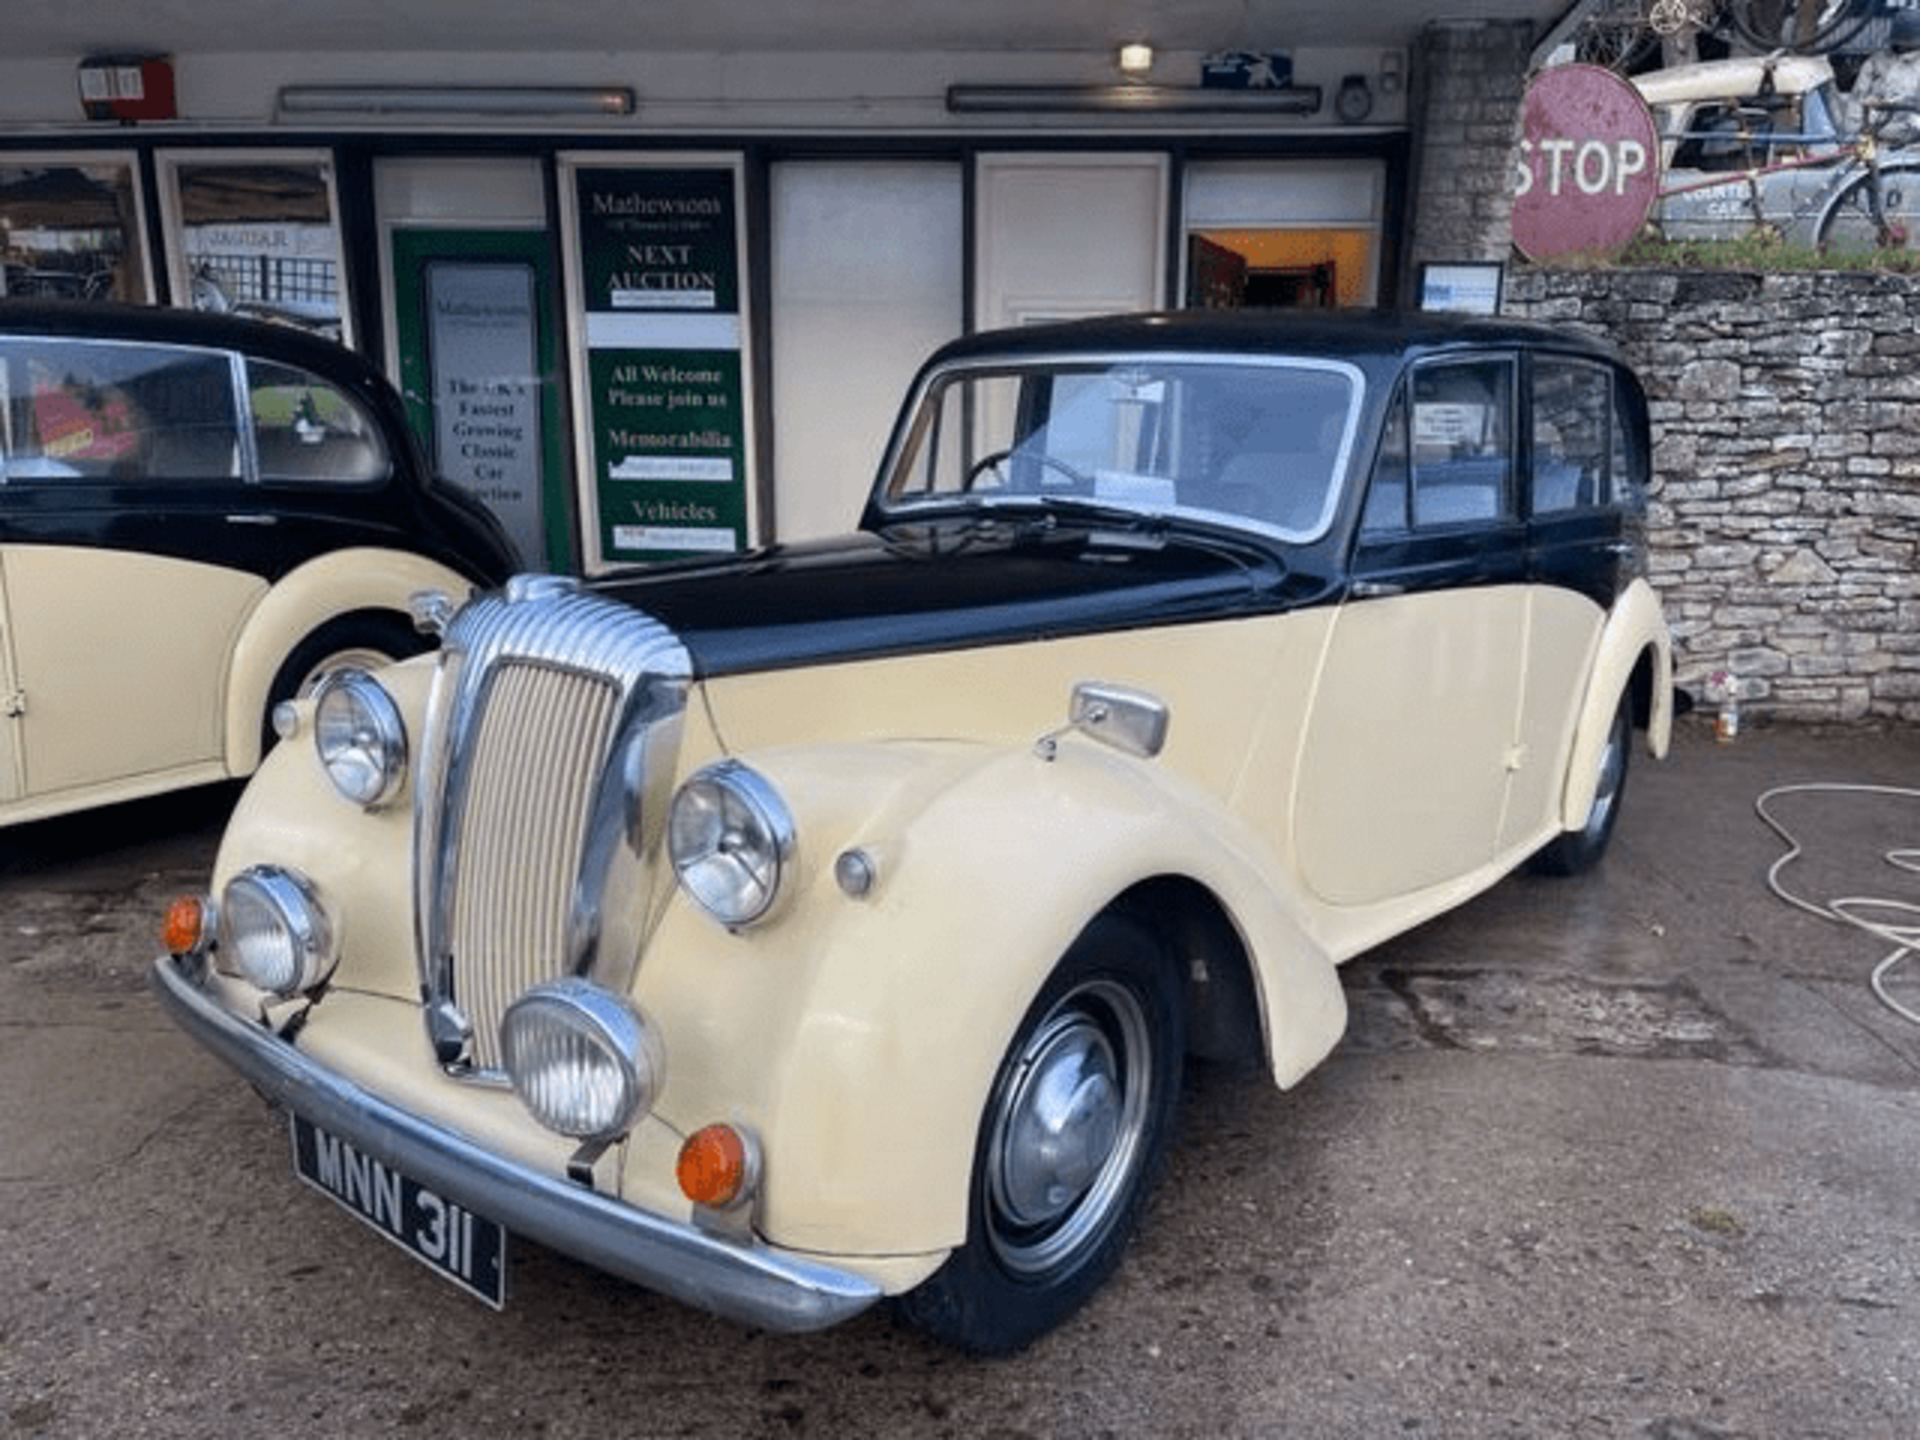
<point>1717,1222</point>
<point>1760,251</point>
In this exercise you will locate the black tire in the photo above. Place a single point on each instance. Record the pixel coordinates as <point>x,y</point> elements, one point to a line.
<point>1573,852</point>
<point>366,638</point>
<point>1850,225</point>
<point>1101,1051</point>
<point>1768,25</point>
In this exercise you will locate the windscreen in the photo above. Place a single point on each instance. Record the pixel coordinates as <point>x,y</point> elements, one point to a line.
<point>1257,444</point>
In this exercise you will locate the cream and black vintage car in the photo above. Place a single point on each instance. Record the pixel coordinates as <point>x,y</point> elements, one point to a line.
<point>828,924</point>
<point>198,516</point>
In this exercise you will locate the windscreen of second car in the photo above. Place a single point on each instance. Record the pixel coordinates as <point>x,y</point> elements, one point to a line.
<point>1257,444</point>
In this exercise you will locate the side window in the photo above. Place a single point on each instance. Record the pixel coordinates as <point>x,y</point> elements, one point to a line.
<point>1462,442</point>
<point>307,431</point>
<point>1386,509</point>
<point>1631,470</point>
<point>1573,435</point>
<point>80,412</point>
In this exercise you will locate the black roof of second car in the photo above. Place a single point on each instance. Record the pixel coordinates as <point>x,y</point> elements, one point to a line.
<point>162,325</point>
<point>1348,334</point>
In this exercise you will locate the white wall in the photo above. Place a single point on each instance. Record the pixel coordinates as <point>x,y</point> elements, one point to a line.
<point>690,91</point>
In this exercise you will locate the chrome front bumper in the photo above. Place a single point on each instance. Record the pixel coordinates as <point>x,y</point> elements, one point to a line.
<point>747,1283</point>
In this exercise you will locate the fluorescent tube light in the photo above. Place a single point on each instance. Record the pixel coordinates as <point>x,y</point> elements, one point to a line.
<point>1157,99</point>
<point>456,100</point>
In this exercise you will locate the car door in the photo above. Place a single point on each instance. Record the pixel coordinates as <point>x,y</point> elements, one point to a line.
<point>123,462</point>
<point>1409,749</point>
<point>1582,488</point>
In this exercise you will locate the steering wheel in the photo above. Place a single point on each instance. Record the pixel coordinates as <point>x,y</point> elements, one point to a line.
<point>1049,462</point>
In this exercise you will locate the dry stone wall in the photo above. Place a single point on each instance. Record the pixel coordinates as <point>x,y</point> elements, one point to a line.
<point>1786,495</point>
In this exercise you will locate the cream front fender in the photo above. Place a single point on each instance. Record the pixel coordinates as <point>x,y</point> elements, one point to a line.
<point>876,1082</point>
<point>301,602</point>
<point>1635,629</point>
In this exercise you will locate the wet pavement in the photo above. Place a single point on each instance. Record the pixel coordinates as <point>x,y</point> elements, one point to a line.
<point>1631,1155</point>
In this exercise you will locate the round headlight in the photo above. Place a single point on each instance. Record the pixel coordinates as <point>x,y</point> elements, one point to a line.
<point>582,1059</point>
<point>274,932</point>
<point>731,837</point>
<point>360,737</point>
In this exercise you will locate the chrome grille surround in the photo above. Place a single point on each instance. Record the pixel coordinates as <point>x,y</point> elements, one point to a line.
<point>551,737</point>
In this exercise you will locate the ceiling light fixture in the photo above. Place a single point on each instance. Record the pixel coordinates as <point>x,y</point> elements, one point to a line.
<point>456,100</point>
<point>1136,58</point>
<point>1134,97</point>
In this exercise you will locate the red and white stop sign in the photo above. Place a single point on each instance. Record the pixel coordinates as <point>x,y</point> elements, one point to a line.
<point>1588,165</point>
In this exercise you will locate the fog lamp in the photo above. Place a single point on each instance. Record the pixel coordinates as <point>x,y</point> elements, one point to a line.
<point>275,933</point>
<point>360,737</point>
<point>583,1061</point>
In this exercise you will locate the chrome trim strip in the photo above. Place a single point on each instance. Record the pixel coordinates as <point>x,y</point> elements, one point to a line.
<point>751,1284</point>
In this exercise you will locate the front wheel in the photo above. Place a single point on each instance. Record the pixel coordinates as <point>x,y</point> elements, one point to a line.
<point>365,639</point>
<point>1853,224</point>
<point>1575,851</point>
<point>1073,1134</point>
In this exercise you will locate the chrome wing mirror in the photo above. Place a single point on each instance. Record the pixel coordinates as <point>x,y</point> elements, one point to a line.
<point>1130,721</point>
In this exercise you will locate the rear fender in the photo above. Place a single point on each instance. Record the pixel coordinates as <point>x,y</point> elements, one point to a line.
<point>1635,632</point>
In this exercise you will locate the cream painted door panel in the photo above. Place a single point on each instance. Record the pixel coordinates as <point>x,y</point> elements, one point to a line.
<point>1404,774</point>
<point>122,660</point>
<point>1563,632</point>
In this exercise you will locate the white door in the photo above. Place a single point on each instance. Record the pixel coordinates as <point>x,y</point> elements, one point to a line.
<point>1067,235</point>
<point>867,272</point>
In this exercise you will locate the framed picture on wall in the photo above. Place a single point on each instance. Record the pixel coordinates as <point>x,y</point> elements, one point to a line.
<point>72,227</point>
<point>257,233</point>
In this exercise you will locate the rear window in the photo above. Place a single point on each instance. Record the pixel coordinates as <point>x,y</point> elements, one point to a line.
<point>79,412</point>
<point>99,411</point>
<point>309,432</point>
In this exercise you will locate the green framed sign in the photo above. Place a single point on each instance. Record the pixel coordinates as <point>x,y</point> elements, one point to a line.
<point>478,360</point>
<point>660,344</point>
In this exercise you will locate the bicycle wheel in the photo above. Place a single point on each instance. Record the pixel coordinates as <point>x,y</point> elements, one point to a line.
<point>1616,36</point>
<point>1849,226</point>
<point>1784,25</point>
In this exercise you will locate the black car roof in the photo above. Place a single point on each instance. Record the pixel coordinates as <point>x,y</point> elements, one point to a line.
<point>1346,334</point>
<point>160,325</point>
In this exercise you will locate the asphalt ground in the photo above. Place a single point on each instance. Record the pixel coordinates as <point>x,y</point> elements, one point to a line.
<point>1636,1154</point>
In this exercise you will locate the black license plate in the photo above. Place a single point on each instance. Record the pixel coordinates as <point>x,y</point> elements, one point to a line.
<point>466,1248</point>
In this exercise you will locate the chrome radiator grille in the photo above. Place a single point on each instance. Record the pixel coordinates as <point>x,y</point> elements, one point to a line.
<point>544,745</point>
<point>536,754</point>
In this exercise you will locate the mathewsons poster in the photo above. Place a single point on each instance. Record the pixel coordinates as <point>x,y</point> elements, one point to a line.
<point>661,338</point>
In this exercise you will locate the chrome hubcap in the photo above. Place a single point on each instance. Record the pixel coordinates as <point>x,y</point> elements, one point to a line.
<point>1613,769</point>
<point>1069,1118</point>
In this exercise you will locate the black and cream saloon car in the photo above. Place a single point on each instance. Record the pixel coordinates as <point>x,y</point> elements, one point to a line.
<point>829,924</point>
<point>198,516</point>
